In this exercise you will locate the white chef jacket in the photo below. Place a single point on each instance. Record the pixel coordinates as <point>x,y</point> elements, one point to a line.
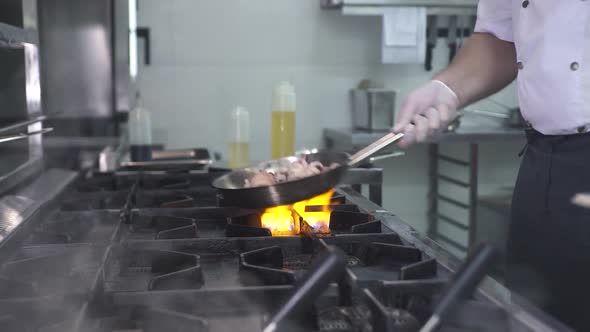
<point>552,40</point>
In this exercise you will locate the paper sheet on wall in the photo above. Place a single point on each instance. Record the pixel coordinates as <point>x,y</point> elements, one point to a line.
<point>404,35</point>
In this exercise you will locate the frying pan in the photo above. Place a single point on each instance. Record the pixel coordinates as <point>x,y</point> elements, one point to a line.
<point>234,192</point>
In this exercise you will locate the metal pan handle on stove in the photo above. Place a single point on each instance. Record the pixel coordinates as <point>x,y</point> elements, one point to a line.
<point>174,154</point>
<point>374,147</point>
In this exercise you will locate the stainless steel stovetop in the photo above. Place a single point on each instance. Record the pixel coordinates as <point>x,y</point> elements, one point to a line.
<point>154,251</point>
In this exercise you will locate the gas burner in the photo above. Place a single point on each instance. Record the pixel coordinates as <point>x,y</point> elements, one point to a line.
<point>153,270</point>
<point>403,320</point>
<point>345,319</point>
<point>343,220</point>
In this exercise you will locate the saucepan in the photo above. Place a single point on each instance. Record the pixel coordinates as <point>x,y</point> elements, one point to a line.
<point>512,119</point>
<point>235,190</point>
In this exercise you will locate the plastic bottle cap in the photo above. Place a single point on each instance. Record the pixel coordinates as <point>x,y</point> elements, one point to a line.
<point>140,126</point>
<point>240,125</point>
<point>284,97</point>
<point>240,111</point>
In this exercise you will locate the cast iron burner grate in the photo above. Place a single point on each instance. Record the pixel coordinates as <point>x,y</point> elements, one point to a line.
<point>165,227</point>
<point>343,220</point>
<point>145,181</point>
<point>336,199</point>
<point>186,223</point>
<point>407,305</point>
<point>368,263</point>
<point>39,314</point>
<point>399,302</point>
<point>154,270</point>
<point>94,201</point>
<point>45,270</point>
<point>148,319</point>
<point>142,191</point>
<point>246,225</point>
<point>75,227</point>
<point>139,199</point>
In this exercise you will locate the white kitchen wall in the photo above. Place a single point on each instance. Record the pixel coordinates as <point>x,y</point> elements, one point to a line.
<point>209,56</point>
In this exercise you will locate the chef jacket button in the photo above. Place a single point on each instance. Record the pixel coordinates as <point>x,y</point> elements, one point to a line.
<point>520,65</point>
<point>574,66</point>
<point>581,129</point>
<point>525,3</point>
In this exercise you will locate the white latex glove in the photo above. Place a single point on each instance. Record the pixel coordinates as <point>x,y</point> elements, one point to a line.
<point>426,112</point>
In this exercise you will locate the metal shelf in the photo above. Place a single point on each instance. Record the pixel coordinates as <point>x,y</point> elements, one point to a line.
<point>377,7</point>
<point>419,3</point>
<point>14,37</point>
<point>435,197</point>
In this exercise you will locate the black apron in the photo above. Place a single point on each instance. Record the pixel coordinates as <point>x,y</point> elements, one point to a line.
<point>549,239</point>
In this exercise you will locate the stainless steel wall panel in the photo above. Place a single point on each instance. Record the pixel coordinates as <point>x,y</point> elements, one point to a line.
<point>76,57</point>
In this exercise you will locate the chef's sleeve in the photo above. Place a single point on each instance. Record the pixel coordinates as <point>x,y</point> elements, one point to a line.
<point>495,17</point>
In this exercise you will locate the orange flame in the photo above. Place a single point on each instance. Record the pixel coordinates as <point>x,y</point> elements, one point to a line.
<point>282,222</point>
<point>319,221</point>
<point>279,220</point>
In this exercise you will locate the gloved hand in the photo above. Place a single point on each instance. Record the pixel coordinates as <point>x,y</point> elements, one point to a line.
<point>426,112</point>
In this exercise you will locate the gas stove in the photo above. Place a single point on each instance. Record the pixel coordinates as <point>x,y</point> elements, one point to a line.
<point>153,251</point>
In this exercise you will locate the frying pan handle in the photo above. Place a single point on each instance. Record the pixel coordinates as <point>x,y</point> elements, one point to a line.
<point>374,147</point>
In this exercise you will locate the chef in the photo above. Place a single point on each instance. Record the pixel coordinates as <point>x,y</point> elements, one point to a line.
<point>545,45</point>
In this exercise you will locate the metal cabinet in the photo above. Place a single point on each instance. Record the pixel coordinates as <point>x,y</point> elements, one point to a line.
<point>20,93</point>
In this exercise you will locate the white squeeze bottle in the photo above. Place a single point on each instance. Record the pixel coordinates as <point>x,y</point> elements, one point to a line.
<point>140,132</point>
<point>239,138</point>
<point>283,120</point>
